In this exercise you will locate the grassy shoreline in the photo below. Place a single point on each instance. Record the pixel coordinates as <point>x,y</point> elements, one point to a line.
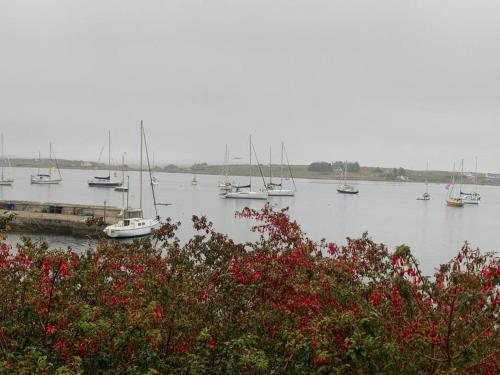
<point>298,171</point>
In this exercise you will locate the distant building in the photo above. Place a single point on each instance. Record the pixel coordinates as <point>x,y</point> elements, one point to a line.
<point>85,164</point>
<point>492,176</point>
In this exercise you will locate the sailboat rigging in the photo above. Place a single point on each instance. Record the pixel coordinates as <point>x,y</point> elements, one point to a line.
<point>224,183</point>
<point>133,223</point>
<point>122,187</point>
<point>426,196</point>
<point>454,201</point>
<point>47,178</point>
<point>105,181</point>
<point>277,189</point>
<point>3,180</point>
<point>346,188</point>
<point>238,193</point>
<point>474,197</point>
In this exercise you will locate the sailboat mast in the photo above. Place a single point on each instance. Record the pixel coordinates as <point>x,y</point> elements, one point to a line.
<point>475,175</point>
<point>50,159</point>
<point>281,165</point>
<point>345,172</point>
<point>2,157</point>
<point>426,177</point>
<point>109,154</point>
<point>123,180</point>
<point>462,177</point>
<point>39,162</point>
<point>140,173</point>
<point>270,165</point>
<point>250,158</point>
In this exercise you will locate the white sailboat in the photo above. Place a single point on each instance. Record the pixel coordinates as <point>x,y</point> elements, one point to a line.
<point>454,201</point>
<point>224,183</point>
<point>194,181</point>
<point>474,197</point>
<point>346,188</point>
<point>133,223</point>
<point>240,192</point>
<point>425,196</point>
<point>105,181</point>
<point>3,180</point>
<point>47,178</point>
<point>277,190</point>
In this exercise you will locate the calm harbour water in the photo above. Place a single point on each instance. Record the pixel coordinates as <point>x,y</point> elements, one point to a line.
<point>388,211</point>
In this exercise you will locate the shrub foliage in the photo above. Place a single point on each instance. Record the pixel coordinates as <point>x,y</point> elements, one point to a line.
<point>283,304</point>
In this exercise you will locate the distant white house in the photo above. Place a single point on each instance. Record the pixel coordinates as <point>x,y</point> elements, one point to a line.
<point>492,176</point>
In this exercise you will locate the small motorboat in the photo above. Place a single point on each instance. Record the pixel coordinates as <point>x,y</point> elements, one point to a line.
<point>347,189</point>
<point>424,197</point>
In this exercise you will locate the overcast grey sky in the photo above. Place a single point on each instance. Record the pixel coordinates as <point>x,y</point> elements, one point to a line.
<point>385,82</point>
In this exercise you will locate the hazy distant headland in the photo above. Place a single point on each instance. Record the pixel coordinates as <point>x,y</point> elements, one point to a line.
<point>315,170</point>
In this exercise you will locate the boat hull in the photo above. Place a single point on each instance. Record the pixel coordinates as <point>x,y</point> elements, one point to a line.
<point>455,203</point>
<point>133,230</point>
<point>6,182</point>
<point>246,195</point>
<point>111,184</point>
<point>352,192</point>
<point>45,182</point>
<point>281,193</point>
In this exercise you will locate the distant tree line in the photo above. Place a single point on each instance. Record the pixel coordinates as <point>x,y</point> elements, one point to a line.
<point>323,166</point>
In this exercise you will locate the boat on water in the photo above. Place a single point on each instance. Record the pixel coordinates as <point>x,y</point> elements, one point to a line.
<point>277,190</point>
<point>346,188</point>
<point>454,201</point>
<point>425,196</point>
<point>133,222</point>
<point>47,178</point>
<point>105,181</point>
<point>122,188</point>
<point>4,181</point>
<point>246,192</point>
<point>194,181</point>
<point>473,197</point>
<point>224,184</point>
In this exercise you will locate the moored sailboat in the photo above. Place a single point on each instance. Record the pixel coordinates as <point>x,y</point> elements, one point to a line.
<point>454,201</point>
<point>224,183</point>
<point>133,223</point>
<point>240,192</point>
<point>474,197</point>
<point>4,181</point>
<point>47,178</point>
<point>277,190</point>
<point>425,196</point>
<point>105,181</point>
<point>346,188</point>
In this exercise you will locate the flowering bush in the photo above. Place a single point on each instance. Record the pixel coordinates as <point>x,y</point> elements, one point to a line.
<point>284,304</point>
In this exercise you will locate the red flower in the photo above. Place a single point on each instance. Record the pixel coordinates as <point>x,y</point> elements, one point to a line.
<point>158,314</point>
<point>139,269</point>
<point>51,329</point>
<point>332,248</point>
<point>63,269</point>
<point>375,299</point>
<point>320,361</point>
<point>212,343</point>
<point>60,344</point>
